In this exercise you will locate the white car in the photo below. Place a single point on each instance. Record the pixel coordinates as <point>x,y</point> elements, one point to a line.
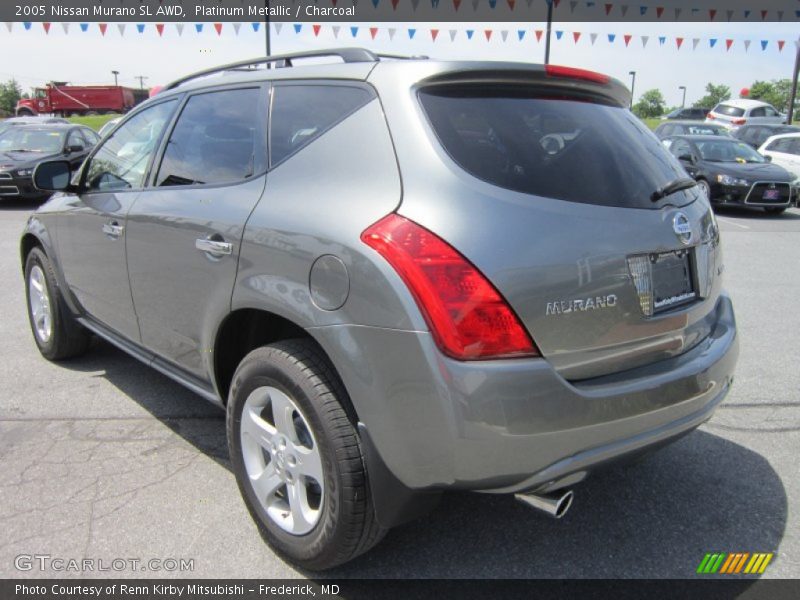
<point>108,126</point>
<point>735,113</point>
<point>784,150</point>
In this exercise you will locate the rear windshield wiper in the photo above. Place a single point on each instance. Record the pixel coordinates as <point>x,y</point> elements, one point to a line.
<point>676,185</point>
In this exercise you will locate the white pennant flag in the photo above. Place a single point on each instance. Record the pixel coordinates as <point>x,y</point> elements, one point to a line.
<point>121,27</point>
<point>746,45</point>
<point>65,27</point>
<point>475,4</point>
<point>572,6</point>
<point>624,9</point>
<point>336,29</point>
<point>695,41</point>
<point>179,29</point>
<point>529,2</point>
<point>415,4</point>
<point>729,14</point>
<point>780,15</point>
<point>677,13</point>
<point>236,28</point>
<point>278,27</point>
<point>644,40</point>
<point>593,37</point>
<point>453,33</point>
<point>9,26</point>
<point>504,34</point>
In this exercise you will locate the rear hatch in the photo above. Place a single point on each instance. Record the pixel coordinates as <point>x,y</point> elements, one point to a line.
<point>728,115</point>
<point>557,210</point>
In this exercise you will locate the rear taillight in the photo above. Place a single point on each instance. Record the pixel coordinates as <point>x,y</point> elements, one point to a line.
<point>468,317</point>
<point>739,121</point>
<point>710,116</point>
<point>573,73</point>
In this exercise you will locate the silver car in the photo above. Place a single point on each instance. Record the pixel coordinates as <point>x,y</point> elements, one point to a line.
<point>398,277</point>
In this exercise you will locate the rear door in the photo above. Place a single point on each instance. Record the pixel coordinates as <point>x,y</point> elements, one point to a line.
<point>185,230</point>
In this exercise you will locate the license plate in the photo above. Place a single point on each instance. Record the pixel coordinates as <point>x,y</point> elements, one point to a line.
<point>772,194</point>
<point>673,279</point>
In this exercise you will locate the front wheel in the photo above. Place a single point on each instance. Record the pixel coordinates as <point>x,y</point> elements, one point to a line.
<point>297,456</point>
<point>704,187</point>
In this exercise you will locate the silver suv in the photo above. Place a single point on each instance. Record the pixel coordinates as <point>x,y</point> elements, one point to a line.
<point>398,277</point>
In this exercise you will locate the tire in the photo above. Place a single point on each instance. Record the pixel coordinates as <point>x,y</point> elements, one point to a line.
<point>705,188</point>
<point>56,332</point>
<point>770,210</point>
<point>294,378</point>
<point>91,113</point>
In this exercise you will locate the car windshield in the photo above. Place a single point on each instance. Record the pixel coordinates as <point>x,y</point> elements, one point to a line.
<point>28,139</point>
<point>727,109</point>
<point>728,151</point>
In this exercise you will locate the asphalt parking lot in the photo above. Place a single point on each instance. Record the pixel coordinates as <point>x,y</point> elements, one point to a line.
<point>104,458</point>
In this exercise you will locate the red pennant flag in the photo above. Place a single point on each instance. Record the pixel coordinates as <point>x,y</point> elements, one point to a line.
<point>373,31</point>
<point>218,27</point>
<point>608,8</point>
<point>764,14</point>
<point>728,44</point>
<point>456,4</point>
<point>103,28</point>
<point>780,45</point>
<point>46,27</point>
<point>539,35</point>
<point>160,29</point>
<point>711,14</point>
<point>659,11</point>
<point>394,4</point>
<point>627,38</point>
<point>316,29</point>
<point>488,34</point>
<point>679,41</point>
<point>576,35</point>
<point>555,3</point>
<point>434,33</point>
<point>511,4</point>
<point>334,2</point>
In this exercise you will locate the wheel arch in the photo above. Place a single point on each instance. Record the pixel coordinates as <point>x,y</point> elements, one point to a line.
<point>28,242</point>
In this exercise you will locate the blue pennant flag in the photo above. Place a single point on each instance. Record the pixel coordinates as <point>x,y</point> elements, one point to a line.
<point>764,44</point>
<point>662,39</point>
<point>375,3</point>
<point>493,3</point>
<point>470,32</point>
<point>612,37</point>
<point>84,26</point>
<point>140,27</point>
<point>411,33</point>
<point>198,27</point>
<point>746,14</point>
<point>521,33</point>
<point>642,10</point>
<point>559,34</point>
<point>27,25</point>
<point>256,26</point>
<point>298,27</point>
<point>354,31</point>
<point>712,42</point>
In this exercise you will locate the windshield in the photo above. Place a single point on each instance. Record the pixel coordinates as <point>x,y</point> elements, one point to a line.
<point>727,109</point>
<point>27,139</point>
<point>559,148</point>
<point>728,151</point>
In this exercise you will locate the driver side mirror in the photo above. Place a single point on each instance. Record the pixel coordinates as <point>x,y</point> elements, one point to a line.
<point>52,176</point>
<point>687,158</point>
<point>74,148</point>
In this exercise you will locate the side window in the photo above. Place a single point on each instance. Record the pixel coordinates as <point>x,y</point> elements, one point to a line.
<point>667,130</point>
<point>770,112</point>
<point>302,113</point>
<point>75,140</point>
<point>680,148</point>
<point>758,112</point>
<point>217,139</point>
<point>121,162</point>
<point>794,147</point>
<point>781,145</point>
<point>91,137</point>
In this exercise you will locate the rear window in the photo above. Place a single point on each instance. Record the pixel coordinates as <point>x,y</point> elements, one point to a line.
<point>559,148</point>
<point>728,110</point>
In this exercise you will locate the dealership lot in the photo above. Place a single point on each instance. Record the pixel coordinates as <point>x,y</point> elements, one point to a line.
<point>106,459</point>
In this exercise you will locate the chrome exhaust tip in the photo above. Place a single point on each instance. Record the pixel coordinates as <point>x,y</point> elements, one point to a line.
<point>556,504</point>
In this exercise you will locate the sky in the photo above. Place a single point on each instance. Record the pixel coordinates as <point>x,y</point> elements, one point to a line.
<point>33,57</point>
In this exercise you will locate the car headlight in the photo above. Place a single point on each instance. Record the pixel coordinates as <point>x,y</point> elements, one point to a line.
<point>728,180</point>
<point>24,172</point>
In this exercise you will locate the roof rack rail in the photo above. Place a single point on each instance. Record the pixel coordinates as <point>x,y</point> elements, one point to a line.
<point>348,55</point>
<point>404,57</point>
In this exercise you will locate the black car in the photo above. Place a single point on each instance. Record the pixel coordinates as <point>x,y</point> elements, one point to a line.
<point>22,148</point>
<point>756,135</point>
<point>690,128</point>
<point>731,172</point>
<point>688,114</point>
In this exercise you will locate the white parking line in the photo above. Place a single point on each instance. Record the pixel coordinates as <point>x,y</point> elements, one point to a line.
<point>724,220</point>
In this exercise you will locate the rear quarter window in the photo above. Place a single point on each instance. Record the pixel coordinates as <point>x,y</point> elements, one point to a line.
<point>564,149</point>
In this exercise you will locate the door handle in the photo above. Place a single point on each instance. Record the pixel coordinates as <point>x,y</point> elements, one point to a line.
<point>215,247</point>
<point>113,229</point>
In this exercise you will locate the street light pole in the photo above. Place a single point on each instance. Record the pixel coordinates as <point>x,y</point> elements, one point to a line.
<point>115,77</point>
<point>683,102</point>
<point>633,84</point>
<point>141,79</point>
<point>549,30</point>
<point>794,84</point>
<point>266,27</point>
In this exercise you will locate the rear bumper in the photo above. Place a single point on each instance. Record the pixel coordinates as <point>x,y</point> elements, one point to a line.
<point>512,425</point>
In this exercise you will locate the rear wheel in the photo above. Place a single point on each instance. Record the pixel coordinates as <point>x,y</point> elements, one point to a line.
<point>297,456</point>
<point>56,332</point>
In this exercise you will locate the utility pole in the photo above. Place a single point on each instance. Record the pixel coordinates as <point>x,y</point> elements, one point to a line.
<point>794,83</point>
<point>683,102</point>
<point>549,30</point>
<point>115,73</point>
<point>266,28</point>
<point>141,79</point>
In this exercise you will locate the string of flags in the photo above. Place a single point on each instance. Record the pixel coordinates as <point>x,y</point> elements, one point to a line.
<point>433,34</point>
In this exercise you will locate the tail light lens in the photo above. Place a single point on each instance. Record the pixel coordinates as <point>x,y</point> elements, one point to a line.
<point>710,116</point>
<point>468,317</point>
<point>573,73</point>
<point>739,121</point>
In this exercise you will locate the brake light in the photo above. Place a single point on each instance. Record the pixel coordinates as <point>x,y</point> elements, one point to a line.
<point>572,73</point>
<point>710,116</point>
<point>468,317</point>
<point>739,121</point>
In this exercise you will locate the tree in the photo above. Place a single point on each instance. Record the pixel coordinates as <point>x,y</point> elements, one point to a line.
<point>777,92</point>
<point>714,95</point>
<point>10,93</point>
<point>650,104</point>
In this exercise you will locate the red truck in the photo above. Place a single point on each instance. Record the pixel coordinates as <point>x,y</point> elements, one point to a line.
<point>67,100</point>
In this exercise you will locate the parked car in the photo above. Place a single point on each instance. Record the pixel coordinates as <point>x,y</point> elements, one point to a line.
<point>398,278</point>
<point>687,114</point>
<point>109,125</point>
<point>735,113</point>
<point>690,128</point>
<point>22,148</point>
<point>756,135</point>
<point>784,150</point>
<point>729,171</point>
<point>38,120</point>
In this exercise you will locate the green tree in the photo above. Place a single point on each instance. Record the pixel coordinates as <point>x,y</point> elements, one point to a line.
<point>650,104</point>
<point>777,92</point>
<point>714,95</point>
<point>10,93</point>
